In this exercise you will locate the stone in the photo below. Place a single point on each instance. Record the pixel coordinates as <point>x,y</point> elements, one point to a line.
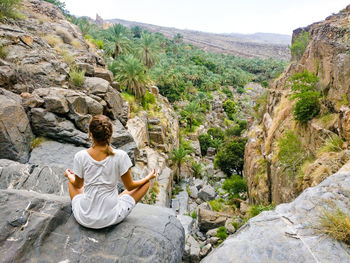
<point>7,75</point>
<point>96,85</point>
<point>115,85</point>
<point>198,183</point>
<point>165,180</point>
<point>138,129</point>
<point>186,222</point>
<point>211,152</point>
<point>243,207</point>
<point>204,205</point>
<point>154,90</point>
<point>28,40</point>
<point>15,131</point>
<point>213,240</point>
<point>205,250</point>
<point>210,219</point>
<point>230,229</point>
<point>193,192</point>
<point>288,233</point>
<point>89,69</point>
<point>25,217</point>
<point>196,148</point>
<point>115,104</point>
<point>31,100</point>
<point>207,193</point>
<point>193,250</point>
<point>103,74</point>
<point>212,232</point>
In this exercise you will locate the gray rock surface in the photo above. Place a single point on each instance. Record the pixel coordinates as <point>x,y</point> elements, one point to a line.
<point>288,234</point>
<point>187,223</point>
<point>41,228</point>
<point>15,131</point>
<point>207,193</point>
<point>210,219</point>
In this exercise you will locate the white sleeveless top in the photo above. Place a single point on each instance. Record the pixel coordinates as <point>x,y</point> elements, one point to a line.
<point>99,205</point>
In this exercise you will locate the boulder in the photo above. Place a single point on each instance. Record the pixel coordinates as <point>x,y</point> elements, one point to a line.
<point>186,222</point>
<point>193,192</point>
<point>122,139</point>
<point>7,75</point>
<point>205,250</point>
<point>210,219</point>
<point>229,226</point>
<point>96,86</point>
<point>288,234</point>
<point>15,131</point>
<point>207,193</point>
<point>192,250</point>
<point>103,74</point>
<point>37,227</point>
<point>138,129</point>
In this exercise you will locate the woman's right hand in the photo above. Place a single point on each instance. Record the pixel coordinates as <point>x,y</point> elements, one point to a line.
<point>152,175</point>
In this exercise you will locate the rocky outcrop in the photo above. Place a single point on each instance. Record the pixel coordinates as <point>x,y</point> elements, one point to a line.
<point>15,131</point>
<point>38,227</point>
<point>327,56</point>
<point>290,232</point>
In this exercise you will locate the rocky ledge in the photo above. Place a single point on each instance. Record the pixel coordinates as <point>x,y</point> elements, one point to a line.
<point>288,234</point>
<point>41,228</point>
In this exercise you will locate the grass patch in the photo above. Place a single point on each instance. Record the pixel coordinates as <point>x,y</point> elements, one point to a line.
<point>77,76</point>
<point>67,57</point>
<point>53,40</point>
<point>217,205</point>
<point>176,190</point>
<point>134,107</point>
<point>334,143</point>
<point>194,214</point>
<point>76,43</point>
<point>336,224</point>
<point>9,9</point>
<point>327,119</point>
<point>3,52</point>
<point>151,197</point>
<point>221,233</point>
<point>36,142</point>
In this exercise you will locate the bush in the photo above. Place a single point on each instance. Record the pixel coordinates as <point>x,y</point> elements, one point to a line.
<point>221,233</point>
<point>230,108</point>
<point>67,57</point>
<point>217,205</point>
<point>306,108</point>
<point>235,185</point>
<point>216,133</point>
<point>204,141</point>
<point>230,158</point>
<point>291,152</point>
<point>332,144</point>
<point>8,8</point>
<point>53,40</point>
<point>336,224</point>
<point>194,214</point>
<point>3,52</point>
<point>257,209</point>
<point>197,169</point>
<point>148,99</point>
<point>77,76</point>
<point>300,43</point>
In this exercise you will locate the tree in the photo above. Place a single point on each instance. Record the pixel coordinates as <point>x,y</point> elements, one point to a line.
<point>117,41</point>
<point>230,108</point>
<point>230,158</point>
<point>130,73</point>
<point>191,112</point>
<point>178,38</point>
<point>136,31</point>
<point>178,156</point>
<point>148,50</point>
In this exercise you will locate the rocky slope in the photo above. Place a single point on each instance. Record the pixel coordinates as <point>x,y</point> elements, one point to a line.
<point>327,56</point>
<point>289,233</point>
<point>43,122</point>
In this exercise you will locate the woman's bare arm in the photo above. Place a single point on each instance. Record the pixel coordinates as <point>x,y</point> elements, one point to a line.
<point>130,184</point>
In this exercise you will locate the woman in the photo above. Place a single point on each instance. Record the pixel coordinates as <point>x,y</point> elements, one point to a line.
<point>93,181</point>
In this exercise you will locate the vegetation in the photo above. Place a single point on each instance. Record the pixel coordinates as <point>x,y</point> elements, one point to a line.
<point>151,197</point>
<point>3,52</point>
<point>334,143</point>
<point>304,90</point>
<point>61,5</point>
<point>235,185</point>
<point>254,210</point>
<point>147,100</point>
<point>230,158</point>
<point>192,114</point>
<point>77,76</point>
<point>9,9</point>
<point>196,169</point>
<point>230,108</point>
<point>300,44</point>
<point>336,224</point>
<point>217,205</point>
<point>221,233</point>
<point>179,156</point>
<point>291,153</point>
<point>194,214</point>
<point>36,142</point>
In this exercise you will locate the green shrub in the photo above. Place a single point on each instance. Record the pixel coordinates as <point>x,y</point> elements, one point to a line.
<point>254,210</point>
<point>194,214</point>
<point>148,99</point>
<point>230,108</point>
<point>77,76</point>
<point>230,157</point>
<point>306,108</point>
<point>9,8</point>
<point>300,43</point>
<point>217,205</point>
<point>221,233</point>
<point>197,169</point>
<point>3,52</point>
<point>291,153</point>
<point>235,185</point>
<point>216,133</point>
<point>36,142</point>
<point>204,141</point>
<point>240,90</point>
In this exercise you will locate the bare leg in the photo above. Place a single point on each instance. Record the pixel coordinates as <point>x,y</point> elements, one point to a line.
<point>138,193</point>
<point>73,191</point>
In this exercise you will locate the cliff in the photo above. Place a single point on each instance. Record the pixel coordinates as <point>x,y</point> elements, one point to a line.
<point>327,56</point>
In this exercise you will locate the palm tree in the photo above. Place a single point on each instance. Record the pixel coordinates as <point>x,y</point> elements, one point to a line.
<point>148,50</point>
<point>178,156</point>
<point>117,41</point>
<point>130,73</point>
<point>192,112</point>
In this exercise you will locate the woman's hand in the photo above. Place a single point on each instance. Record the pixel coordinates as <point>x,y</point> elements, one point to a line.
<point>70,175</point>
<point>151,175</point>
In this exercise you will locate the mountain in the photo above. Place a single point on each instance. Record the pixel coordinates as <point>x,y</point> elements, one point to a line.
<point>258,45</point>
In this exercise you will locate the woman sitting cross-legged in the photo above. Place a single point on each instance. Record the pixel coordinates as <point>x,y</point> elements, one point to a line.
<point>93,181</point>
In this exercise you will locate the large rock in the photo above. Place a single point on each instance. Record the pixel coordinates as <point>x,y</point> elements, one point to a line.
<point>15,132</point>
<point>36,227</point>
<point>207,193</point>
<point>288,234</point>
<point>138,129</point>
<point>210,219</point>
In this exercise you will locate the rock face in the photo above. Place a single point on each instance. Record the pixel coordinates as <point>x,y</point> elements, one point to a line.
<point>37,227</point>
<point>15,131</point>
<point>327,56</point>
<point>288,234</point>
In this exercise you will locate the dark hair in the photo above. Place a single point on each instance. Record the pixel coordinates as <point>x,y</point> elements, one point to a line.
<point>101,129</point>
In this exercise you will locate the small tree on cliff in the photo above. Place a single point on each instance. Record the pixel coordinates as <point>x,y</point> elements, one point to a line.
<point>191,112</point>
<point>179,156</point>
<point>148,50</point>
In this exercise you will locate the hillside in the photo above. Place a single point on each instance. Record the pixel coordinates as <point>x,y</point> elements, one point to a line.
<point>258,45</point>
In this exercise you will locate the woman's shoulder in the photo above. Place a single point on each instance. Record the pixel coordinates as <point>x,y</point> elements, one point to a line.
<point>80,154</point>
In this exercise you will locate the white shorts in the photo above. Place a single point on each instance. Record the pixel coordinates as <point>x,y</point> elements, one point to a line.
<point>125,204</point>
